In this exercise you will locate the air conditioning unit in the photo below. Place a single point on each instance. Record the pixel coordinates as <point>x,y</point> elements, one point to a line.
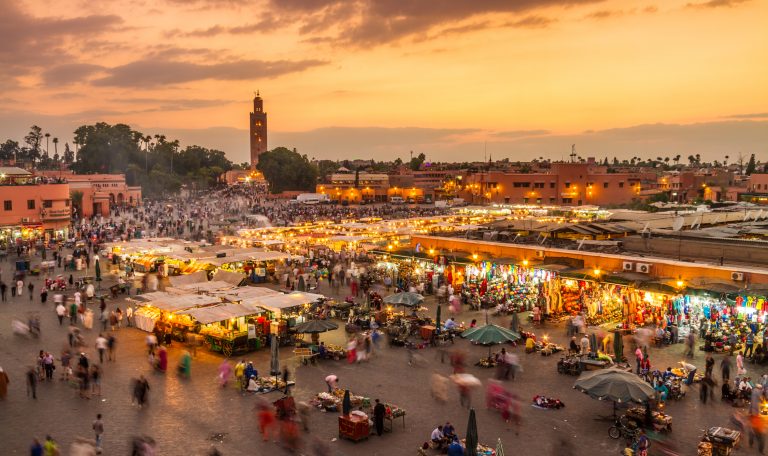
<point>737,276</point>
<point>221,255</point>
<point>643,268</point>
<point>25,220</point>
<point>539,254</point>
<point>628,266</point>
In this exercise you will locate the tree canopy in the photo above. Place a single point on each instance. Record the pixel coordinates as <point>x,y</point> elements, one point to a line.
<point>286,169</point>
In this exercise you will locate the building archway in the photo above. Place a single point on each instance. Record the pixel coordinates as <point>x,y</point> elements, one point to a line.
<point>120,199</point>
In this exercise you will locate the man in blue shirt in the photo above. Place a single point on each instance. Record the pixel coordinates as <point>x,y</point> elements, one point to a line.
<point>455,448</point>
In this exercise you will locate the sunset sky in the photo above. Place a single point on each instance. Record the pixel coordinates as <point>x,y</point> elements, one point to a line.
<point>379,78</point>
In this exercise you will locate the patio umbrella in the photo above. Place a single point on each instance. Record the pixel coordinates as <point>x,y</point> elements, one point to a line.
<point>274,365</point>
<point>472,438</point>
<point>406,299</point>
<point>618,346</point>
<point>514,325</point>
<point>490,334</point>
<point>499,449</point>
<point>346,403</point>
<point>315,326</point>
<point>615,385</point>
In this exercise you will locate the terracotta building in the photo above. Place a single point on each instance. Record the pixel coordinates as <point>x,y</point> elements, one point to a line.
<point>258,129</point>
<point>96,194</point>
<point>32,205</point>
<point>565,184</point>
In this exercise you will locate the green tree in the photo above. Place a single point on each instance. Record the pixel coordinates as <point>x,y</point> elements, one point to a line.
<point>33,139</point>
<point>417,161</point>
<point>751,165</point>
<point>285,169</point>
<point>9,149</point>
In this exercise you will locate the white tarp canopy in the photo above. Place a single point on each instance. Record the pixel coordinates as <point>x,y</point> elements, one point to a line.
<point>187,279</point>
<point>247,293</point>
<point>182,302</point>
<point>167,294</point>
<point>232,278</point>
<point>208,287</point>
<point>281,301</point>
<point>211,314</point>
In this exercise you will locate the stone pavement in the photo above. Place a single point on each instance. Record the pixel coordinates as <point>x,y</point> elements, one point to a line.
<point>183,414</point>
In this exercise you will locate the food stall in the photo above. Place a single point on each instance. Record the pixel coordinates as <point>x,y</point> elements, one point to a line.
<point>162,309</point>
<point>286,311</point>
<point>228,328</point>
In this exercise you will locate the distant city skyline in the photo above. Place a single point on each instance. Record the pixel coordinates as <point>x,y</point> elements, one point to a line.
<point>377,79</point>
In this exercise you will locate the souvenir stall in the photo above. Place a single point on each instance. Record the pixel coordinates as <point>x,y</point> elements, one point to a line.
<point>506,284</point>
<point>228,328</point>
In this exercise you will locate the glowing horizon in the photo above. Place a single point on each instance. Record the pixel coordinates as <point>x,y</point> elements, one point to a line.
<point>365,78</point>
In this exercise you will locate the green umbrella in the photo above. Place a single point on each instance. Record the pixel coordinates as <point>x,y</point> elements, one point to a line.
<point>615,385</point>
<point>618,346</point>
<point>490,334</point>
<point>499,449</point>
<point>346,403</point>
<point>406,299</point>
<point>472,439</point>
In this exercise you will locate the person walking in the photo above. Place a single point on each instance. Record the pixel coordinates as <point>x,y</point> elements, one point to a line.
<point>61,312</point>
<point>710,364</point>
<point>379,411</point>
<point>725,368</point>
<point>750,343</point>
<point>740,370</point>
<point>286,378</point>
<point>3,290</point>
<point>101,347</point>
<point>19,287</point>
<point>31,377</point>
<point>31,288</point>
<point>111,345</point>
<point>98,430</point>
<point>638,358</point>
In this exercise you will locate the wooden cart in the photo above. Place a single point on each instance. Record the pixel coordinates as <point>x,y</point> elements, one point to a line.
<point>353,427</point>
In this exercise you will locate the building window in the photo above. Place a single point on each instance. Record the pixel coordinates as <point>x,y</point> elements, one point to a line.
<point>538,185</point>
<point>551,185</point>
<point>538,200</point>
<point>552,200</point>
<point>525,200</point>
<point>30,204</point>
<point>66,203</point>
<point>47,204</point>
<point>567,185</point>
<point>621,184</point>
<point>8,205</point>
<point>605,184</point>
<point>521,184</point>
<point>567,200</point>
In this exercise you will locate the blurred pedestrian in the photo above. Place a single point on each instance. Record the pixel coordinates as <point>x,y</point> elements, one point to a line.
<point>4,381</point>
<point>140,391</point>
<point>265,414</point>
<point>379,411</point>
<point>98,430</point>
<point>31,377</point>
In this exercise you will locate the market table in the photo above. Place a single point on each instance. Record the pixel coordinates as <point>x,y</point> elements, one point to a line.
<point>427,331</point>
<point>590,364</point>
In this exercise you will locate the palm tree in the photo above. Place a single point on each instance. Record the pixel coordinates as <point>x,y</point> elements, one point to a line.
<point>677,159</point>
<point>47,135</point>
<point>56,147</point>
<point>725,162</point>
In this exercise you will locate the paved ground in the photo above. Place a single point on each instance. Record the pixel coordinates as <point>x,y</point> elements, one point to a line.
<point>183,414</point>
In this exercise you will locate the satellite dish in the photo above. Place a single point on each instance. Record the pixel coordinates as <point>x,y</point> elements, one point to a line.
<point>677,225</point>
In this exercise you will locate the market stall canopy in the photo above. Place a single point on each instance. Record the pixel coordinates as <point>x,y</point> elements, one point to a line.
<point>615,385</point>
<point>155,295</point>
<point>247,293</point>
<point>212,314</point>
<point>187,279</point>
<point>208,287</point>
<point>406,299</point>
<point>315,326</point>
<point>182,302</point>
<point>280,301</point>
<point>232,278</point>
